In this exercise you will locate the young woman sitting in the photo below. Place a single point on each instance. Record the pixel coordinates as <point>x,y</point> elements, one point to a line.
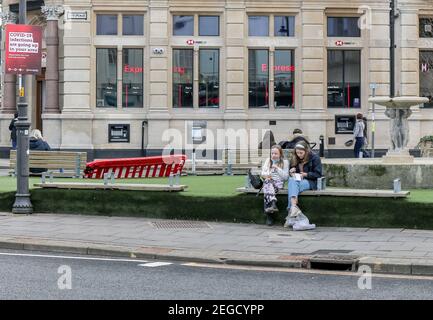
<point>305,169</point>
<point>275,171</point>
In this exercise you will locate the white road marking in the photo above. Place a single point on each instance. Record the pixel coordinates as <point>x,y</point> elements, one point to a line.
<point>155,264</point>
<point>305,271</point>
<point>69,257</point>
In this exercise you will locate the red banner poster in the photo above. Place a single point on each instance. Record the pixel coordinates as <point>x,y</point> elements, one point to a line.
<point>23,49</point>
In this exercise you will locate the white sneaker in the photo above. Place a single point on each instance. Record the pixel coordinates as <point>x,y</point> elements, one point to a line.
<point>290,222</point>
<point>294,211</point>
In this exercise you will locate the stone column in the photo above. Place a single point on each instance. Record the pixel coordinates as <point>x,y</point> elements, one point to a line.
<point>10,80</point>
<point>52,14</point>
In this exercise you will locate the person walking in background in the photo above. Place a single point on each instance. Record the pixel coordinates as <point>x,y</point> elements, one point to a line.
<point>358,135</point>
<point>13,131</point>
<point>275,171</point>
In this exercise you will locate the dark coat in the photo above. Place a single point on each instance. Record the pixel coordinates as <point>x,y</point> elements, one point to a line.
<point>291,144</point>
<point>313,169</point>
<point>13,129</point>
<point>40,145</point>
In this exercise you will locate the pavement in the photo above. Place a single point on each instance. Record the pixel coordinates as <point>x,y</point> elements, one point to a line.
<point>396,251</point>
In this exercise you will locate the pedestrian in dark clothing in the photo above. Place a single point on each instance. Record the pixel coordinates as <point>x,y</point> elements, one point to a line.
<point>13,131</point>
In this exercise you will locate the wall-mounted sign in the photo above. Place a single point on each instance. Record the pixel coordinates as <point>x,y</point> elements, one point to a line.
<point>279,68</point>
<point>76,15</point>
<point>23,49</point>
<point>340,43</point>
<point>345,124</point>
<point>192,42</point>
<point>118,132</point>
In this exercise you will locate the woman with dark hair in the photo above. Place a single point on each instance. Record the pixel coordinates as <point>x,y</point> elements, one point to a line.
<point>305,169</point>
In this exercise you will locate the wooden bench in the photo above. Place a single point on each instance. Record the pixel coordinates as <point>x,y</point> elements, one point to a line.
<point>340,192</point>
<point>63,163</point>
<point>110,186</point>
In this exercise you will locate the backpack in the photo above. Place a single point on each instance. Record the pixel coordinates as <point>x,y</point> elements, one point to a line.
<point>255,180</point>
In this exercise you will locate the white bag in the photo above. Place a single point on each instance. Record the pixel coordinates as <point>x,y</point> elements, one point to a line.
<point>300,223</point>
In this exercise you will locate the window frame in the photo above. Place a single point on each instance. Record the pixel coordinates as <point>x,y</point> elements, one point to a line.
<point>123,24</point>
<point>192,80</point>
<point>428,105</point>
<point>209,15</point>
<point>331,16</point>
<point>115,81</point>
<point>123,77</point>
<point>217,69</point>
<point>345,105</point>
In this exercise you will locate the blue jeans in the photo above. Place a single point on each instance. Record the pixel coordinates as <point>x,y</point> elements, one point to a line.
<point>295,188</point>
<point>358,146</point>
<point>14,144</point>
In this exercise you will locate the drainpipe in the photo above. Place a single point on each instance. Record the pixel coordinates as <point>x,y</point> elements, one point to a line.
<point>392,48</point>
<point>144,123</point>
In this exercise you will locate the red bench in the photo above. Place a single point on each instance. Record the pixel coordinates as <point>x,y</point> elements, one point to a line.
<point>149,167</point>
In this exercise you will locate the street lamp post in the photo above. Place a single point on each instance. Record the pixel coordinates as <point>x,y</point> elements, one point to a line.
<point>22,203</point>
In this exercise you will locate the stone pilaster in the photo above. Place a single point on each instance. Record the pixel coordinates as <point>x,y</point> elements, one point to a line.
<point>52,14</point>
<point>10,80</point>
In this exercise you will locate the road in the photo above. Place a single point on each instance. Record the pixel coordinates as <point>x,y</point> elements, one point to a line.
<point>31,275</point>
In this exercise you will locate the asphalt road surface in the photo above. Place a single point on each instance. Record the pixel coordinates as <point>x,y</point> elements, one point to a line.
<point>32,275</point>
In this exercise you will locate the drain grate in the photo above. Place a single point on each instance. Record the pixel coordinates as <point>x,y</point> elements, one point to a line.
<point>180,225</point>
<point>334,262</point>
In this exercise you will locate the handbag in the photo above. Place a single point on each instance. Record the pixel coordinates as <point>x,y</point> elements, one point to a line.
<point>255,180</point>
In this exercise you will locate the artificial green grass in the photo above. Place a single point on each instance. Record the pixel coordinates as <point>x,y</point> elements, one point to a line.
<point>209,186</point>
<point>215,199</point>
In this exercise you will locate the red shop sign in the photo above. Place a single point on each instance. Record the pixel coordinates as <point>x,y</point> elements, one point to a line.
<point>23,49</point>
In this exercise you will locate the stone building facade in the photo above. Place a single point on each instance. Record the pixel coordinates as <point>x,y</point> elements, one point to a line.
<point>125,76</point>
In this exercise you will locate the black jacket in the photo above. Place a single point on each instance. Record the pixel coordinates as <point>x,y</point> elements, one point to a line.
<point>314,170</point>
<point>41,145</point>
<point>291,144</point>
<point>13,129</point>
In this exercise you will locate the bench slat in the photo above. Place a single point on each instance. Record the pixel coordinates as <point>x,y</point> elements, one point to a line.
<point>338,192</point>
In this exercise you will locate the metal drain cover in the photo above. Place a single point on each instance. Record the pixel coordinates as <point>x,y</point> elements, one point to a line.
<point>180,225</point>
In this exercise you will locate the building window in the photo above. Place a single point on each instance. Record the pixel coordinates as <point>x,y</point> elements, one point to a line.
<point>183,25</point>
<point>106,25</point>
<point>209,25</point>
<point>284,75</point>
<point>133,25</point>
<point>209,78</point>
<point>343,27</point>
<point>183,61</point>
<point>284,26</point>
<point>258,26</point>
<point>258,78</point>
<point>426,76</point>
<point>106,77</point>
<point>426,27</point>
<point>344,78</point>
<point>132,78</point>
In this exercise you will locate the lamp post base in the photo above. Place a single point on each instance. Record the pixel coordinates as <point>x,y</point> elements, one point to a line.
<point>22,204</point>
